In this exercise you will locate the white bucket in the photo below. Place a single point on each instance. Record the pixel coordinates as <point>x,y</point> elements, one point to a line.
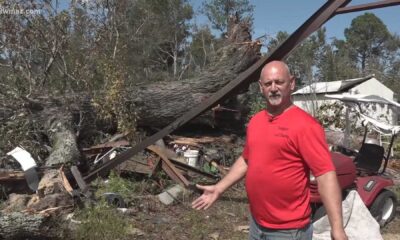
<point>191,157</point>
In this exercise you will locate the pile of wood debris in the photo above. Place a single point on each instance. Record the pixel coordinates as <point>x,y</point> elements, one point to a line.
<point>58,132</point>
<point>27,211</point>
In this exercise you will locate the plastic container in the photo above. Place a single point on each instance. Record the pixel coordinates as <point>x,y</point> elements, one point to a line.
<point>191,157</point>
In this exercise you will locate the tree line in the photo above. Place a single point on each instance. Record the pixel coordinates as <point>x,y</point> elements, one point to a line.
<point>367,48</point>
<point>111,45</point>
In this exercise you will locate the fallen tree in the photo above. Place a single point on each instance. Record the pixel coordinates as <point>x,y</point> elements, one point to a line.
<point>56,123</point>
<point>50,127</point>
<point>158,104</point>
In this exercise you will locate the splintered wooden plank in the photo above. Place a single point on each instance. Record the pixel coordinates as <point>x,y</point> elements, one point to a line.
<point>78,178</point>
<point>169,167</point>
<point>136,166</point>
<point>11,175</point>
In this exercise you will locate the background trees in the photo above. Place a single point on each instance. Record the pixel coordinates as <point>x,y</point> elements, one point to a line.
<point>367,38</point>
<point>218,12</point>
<point>110,46</point>
<point>368,48</point>
<point>71,47</point>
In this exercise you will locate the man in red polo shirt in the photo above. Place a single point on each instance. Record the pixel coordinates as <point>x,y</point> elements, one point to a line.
<point>283,144</point>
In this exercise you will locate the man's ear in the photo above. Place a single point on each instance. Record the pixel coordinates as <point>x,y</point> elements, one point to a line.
<point>292,83</point>
<point>259,84</point>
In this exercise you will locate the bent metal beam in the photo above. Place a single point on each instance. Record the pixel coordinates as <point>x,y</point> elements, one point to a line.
<point>368,6</point>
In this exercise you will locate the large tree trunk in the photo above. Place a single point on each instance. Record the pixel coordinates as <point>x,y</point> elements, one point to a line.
<point>158,104</point>
<point>18,225</point>
<point>62,138</point>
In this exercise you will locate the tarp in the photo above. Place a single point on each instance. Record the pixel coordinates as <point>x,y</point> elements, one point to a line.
<point>358,221</point>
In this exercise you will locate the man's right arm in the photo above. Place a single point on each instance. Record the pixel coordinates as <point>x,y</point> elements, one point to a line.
<point>212,193</point>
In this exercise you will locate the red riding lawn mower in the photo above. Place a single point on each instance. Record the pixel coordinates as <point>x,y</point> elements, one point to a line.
<point>364,170</point>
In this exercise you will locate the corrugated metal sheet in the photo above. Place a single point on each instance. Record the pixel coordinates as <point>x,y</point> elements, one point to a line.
<point>331,87</point>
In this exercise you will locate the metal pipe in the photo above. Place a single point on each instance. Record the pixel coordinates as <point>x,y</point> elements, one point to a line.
<point>388,154</point>
<point>368,6</point>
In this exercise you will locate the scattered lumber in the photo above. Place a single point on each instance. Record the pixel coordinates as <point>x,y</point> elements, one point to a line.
<point>197,142</point>
<point>7,175</point>
<point>145,166</point>
<point>13,181</point>
<point>169,167</point>
<point>97,149</point>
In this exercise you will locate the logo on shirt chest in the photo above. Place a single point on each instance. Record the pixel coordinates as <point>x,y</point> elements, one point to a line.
<point>282,132</point>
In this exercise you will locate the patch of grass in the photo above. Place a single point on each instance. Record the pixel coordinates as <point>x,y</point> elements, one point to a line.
<point>102,222</point>
<point>117,184</point>
<point>199,227</point>
<point>180,221</point>
<point>229,212</point>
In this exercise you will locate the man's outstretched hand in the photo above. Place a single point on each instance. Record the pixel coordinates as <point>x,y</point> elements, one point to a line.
<point>211,193</point>
<point>209,196</point>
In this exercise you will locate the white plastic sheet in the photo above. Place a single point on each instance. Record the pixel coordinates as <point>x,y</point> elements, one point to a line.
<point>23,157</point>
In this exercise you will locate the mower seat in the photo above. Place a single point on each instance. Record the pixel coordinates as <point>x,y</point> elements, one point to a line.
<point>370,157</point>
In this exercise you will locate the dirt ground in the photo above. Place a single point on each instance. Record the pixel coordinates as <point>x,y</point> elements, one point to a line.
<point>392,230</point>
<point>227,219</point>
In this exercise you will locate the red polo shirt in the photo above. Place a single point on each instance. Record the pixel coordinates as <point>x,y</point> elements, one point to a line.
<point>280,151</point>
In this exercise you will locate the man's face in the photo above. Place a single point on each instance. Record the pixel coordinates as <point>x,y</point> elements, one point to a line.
<point>276,85</point>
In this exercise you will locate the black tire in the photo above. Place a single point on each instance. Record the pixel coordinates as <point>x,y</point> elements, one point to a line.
<point>318,213</point>
<point>383,209</point>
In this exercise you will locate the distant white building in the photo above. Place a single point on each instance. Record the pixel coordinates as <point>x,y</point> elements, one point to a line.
<point>311,97</point>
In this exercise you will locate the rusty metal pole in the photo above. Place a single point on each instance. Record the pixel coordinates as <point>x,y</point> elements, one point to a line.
<point>368,6</point>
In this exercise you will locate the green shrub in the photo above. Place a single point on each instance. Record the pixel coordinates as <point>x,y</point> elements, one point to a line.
<point>257,103</point>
